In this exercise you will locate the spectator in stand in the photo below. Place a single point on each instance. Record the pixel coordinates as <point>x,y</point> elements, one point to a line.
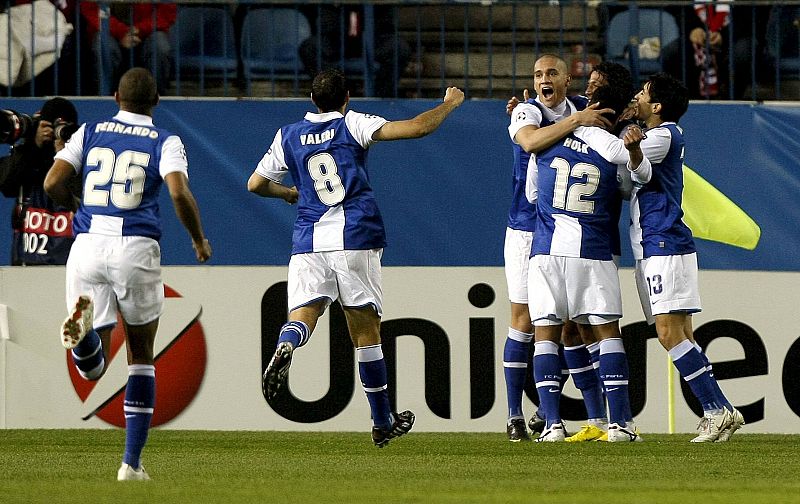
<point>348,21</point>
<point>140,28</point>
<point>709,30</point>
<point>56,40</point>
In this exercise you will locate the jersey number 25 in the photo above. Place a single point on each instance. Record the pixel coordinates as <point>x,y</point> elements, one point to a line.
<point>125,172</point>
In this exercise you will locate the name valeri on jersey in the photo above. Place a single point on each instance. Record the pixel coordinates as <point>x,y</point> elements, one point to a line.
<point>317,138</point>
<point>113,127</point>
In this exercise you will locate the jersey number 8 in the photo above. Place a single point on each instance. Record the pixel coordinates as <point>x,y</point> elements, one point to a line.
<point>125,172</point>
<point>323,170</point>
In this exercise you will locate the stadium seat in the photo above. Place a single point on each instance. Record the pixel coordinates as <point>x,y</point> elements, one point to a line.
<point>203,41</point>
<point>622,36</point>
<point>783,39</point>
<point>270,40</point>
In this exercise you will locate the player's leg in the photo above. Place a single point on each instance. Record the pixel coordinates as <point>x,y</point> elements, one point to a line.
<point>515,369</point>
<point>294,334</point>
<point>135,272</point>
<point>359,278</point>
<point>614,373</point>
<point>140,397</point>
<point>585,378</point>
<point>311,288</point>
<point>92,311</point>
<point>516,351</point>
<point>549,307</point>
<point>596,300</point>
<point>547,375</point>
<point>737,419</point>
<point>669,284</point>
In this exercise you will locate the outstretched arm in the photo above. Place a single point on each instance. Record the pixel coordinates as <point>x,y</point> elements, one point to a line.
<point>188,213</point>
<point>423,124</point>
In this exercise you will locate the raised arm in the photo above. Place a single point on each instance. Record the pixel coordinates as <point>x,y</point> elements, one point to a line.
<point>423,124</point>
<point>189,214</point>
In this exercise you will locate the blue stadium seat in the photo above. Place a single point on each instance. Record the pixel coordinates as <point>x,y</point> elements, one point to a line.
<point>783,38</point>
<point>203,41</point>
<point>270,40</point>
<point>621,37</point>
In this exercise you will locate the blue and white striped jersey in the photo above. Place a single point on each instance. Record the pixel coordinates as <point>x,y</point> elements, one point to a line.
<point>577,203</point>
<point>657,227</point>
<point>123,163</point>
<point>326,155</point>
<point>522,214</point>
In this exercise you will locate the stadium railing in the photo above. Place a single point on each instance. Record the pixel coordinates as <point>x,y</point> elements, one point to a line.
<point>486,47</point>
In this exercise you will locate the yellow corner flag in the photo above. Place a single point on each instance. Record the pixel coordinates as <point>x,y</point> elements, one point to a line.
<point>712,216</point>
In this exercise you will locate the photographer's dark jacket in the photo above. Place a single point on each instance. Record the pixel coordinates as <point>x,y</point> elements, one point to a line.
<point>42,230</point>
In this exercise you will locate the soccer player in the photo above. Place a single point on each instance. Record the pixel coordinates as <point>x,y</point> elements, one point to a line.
<point>572,274</point>
<point>666,257</point>
<point>535,125</point>
<point>115,262</point>
<point>339,234</point>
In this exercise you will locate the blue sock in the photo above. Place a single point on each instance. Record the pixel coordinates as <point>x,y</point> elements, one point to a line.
<point>140,398</point>
<point>693,370</point>
<point>547,374</point>
<point>88,356</point>
<point>515,368</point>
<point>564,366</point>
<point>585,379</point>
<point>614,372</point>
<point>720,396</point>
<point>295,332</point>
<point>372,370</point>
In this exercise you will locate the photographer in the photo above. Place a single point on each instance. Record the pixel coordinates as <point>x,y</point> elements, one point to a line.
<point>42,229</point>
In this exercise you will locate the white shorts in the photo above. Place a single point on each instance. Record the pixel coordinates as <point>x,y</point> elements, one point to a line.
<point>117,272</point>
<point>585,291</point>
<point>517,255</point>
<point>351,276</point>
<point>668,284</point>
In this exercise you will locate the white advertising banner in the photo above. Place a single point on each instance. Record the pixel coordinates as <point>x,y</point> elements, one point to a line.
<point>443,330</point>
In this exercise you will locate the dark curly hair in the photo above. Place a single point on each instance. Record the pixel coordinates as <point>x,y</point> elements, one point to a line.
<point>670,93</point>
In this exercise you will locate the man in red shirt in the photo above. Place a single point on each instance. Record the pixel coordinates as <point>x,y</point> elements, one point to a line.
<point>138,28</point>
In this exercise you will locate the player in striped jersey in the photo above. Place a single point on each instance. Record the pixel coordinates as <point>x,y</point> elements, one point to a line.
<point>572,275</point>
<point>536,124</point>
<point>115,263</point>
<point>339,235</point>
<point>666,257</point>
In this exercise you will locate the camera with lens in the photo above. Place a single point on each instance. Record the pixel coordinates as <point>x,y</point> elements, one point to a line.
<point>15,125</point>
<point>63,130</point>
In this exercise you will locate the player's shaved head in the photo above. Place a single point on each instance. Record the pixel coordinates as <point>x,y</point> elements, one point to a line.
<point>137,91</point>
<point>548,59</point>
<point>329,90</point>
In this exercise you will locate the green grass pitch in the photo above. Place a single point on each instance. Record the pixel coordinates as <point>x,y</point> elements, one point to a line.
<point>64,466</point>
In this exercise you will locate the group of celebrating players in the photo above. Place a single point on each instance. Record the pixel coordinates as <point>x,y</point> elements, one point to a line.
<point>575,160</point>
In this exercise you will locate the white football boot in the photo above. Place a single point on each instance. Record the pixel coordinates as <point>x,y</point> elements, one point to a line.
<point>737,421</point>
<point>552,434</point>
<point>619,434</point>
<point>128,473</point>
<point>711,425</point>
<point>79,322</point>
